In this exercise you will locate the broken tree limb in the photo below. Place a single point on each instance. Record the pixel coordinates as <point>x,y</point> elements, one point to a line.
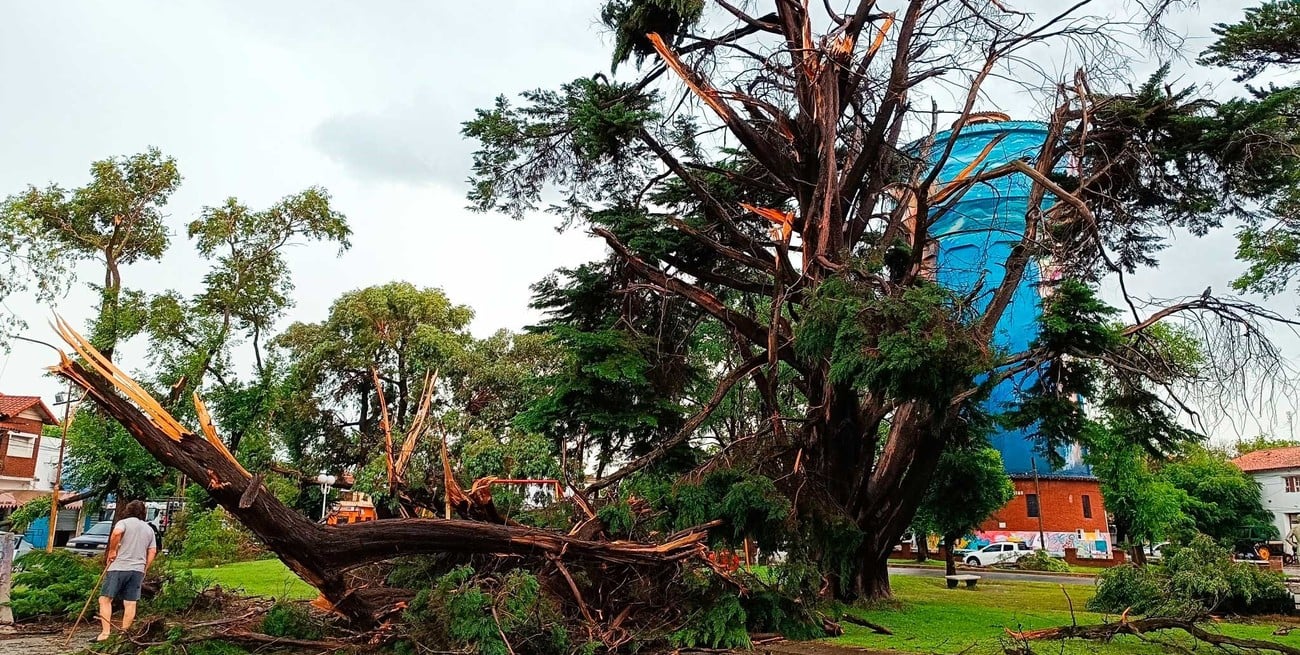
<point>323,554</point>
<point>1140,627</point>
<point>719,394</point>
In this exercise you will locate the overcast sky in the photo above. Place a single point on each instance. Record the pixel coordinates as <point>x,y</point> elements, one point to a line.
<point>260,100</point>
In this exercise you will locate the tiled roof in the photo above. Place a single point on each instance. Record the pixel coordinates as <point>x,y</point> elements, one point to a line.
<point>1269,460</point>
<point>11,406</point>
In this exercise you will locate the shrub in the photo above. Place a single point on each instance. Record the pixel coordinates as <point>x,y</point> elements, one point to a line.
<point>52,584</point>
<point>1192,581</point>
<point>204,538</point>
<point>1040,560</point>
<point>286,619</point>
<point>1140,588</point>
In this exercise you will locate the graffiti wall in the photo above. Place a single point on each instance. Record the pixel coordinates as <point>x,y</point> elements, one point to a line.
<point>1089,544</point>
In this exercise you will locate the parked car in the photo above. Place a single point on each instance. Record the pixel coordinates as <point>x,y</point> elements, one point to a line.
<point>998,553</point>
<point>1157,552</point>
<point>91,541</point>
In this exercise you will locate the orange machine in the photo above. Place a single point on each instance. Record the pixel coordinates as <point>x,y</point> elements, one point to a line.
<point>351,511</point>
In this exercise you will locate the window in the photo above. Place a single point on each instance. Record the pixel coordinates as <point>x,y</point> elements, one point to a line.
<point>21,445</point>
<point>1087,507</point>
<point>1292,483</point>
<point>1031,502</point>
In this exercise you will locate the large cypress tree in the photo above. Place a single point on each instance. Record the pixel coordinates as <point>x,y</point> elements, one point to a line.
<point>769,168</point>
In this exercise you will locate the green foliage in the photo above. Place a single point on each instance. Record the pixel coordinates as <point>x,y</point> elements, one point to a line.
<point>1075,326</point>
<point>204,647</point>
<point>1268,35</point>
<point>51,584</point>
<point>1192,581</point>
<point>632,20</point>
<point>969,484</point>
<point>1140,588</point>
<point>1040,560</point>
<point>207,537</point>
<point>749,505</point>
<point>582,137</point>
<point>101,454</point>
<point>179,592</point>
<point>1222,500</point>
<point>1261,442</point>
<point>719,620</point>
<point>915,345</point>
<point>462,610</point>
<point>21,519</point>
<point>402,330</point>
<point>787,600</point>
<point>1146,507</point>
<point>290,619</point>
<point>624,366</point>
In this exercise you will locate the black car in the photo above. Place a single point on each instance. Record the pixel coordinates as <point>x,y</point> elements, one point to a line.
<point>93,540</point>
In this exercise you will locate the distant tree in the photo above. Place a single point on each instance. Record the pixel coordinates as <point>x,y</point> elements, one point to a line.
<point>116,219</point>
<point>1261,442</point>
<point>329,411</point>
<point>1146,507</point>
<point>1222,501</point>
<point>246,289</point>
<point>969,484</point>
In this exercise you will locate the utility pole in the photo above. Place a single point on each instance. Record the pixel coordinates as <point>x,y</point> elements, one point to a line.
<point>1038,495</point>
<point>58,468</point>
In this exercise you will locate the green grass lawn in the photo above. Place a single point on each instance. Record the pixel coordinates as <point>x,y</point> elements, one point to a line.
<point>938,564</point>
<point>263,577</point>
<point>930,618</point>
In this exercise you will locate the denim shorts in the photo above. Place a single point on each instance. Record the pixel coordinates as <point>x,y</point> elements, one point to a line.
<point>122,585</point>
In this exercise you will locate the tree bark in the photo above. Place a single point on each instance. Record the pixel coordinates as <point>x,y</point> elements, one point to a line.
<point>871,581</point>
<point>949,558</point>
<point>922,548</point>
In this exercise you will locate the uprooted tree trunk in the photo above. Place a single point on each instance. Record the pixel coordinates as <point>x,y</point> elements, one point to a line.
<point>323,555</point>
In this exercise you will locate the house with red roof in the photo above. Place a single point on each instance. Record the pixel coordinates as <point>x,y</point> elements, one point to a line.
<point>22,418</point>
<point>1277,471</point>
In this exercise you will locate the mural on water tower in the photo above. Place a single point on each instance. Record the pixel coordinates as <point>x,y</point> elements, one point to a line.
<point>971,239</point>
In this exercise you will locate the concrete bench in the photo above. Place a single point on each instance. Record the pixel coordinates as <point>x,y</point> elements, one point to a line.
<point>970,580</point>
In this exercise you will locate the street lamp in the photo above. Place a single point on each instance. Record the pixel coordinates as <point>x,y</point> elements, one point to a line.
<point>325,482</point>
<point>66,400</point>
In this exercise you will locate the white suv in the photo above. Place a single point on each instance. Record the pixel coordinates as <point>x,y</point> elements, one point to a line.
<point>997,553</point>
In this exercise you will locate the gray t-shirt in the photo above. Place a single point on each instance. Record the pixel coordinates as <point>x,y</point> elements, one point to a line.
<point>133,546</point>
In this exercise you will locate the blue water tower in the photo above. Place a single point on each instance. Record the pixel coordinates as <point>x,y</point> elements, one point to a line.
<point>975,235</point>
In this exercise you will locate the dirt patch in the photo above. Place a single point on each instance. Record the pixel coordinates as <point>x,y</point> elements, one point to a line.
<point>814,648</point>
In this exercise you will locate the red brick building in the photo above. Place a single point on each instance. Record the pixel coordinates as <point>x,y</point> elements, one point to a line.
<point>1071,511</point>
<point>21,421</point>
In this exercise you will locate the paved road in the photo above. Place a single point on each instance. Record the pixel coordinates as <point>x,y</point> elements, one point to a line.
<point>995,575</point>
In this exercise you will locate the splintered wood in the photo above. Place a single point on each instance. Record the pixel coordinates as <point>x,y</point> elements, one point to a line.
<point>103,366</point>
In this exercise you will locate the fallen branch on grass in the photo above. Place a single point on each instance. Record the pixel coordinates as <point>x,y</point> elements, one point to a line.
<point>875,627</point>
<point>1140,627</point>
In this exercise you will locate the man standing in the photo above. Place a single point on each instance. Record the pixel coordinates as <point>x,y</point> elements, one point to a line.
<point>131,549</point>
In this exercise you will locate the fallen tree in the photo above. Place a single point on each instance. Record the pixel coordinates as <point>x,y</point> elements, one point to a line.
<point>324,555</point>
<point>1141,628</point>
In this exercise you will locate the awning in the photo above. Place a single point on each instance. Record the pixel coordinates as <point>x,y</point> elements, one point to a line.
<point>7,501</point>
